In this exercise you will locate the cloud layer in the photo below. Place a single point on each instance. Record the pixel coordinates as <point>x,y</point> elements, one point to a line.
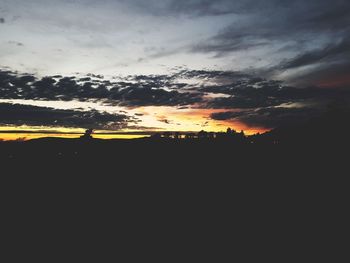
<point>16,114</point>
<point>251,100</point>
<point>294,41</point>
<point>260,63</point>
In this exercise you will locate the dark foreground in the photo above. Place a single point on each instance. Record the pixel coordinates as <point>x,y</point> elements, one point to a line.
<point>161,200</point>
<point>175,159</point>
<point>176,153</point>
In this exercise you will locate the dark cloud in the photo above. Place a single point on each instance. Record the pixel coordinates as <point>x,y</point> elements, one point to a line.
<point>330,65</point>
<point>289,35</point>
<point>202,7</point>
<point>95,76</point>
<point>264,17</point>
<point>251,92</point>
<point>239,90</point>
<point>327,16</point>
<point>144,92</point>
<point>270,117</point>
<point>274,20</point>
<point>15,114</point>
<point>210,74</point>
<point>315,31</point>
<point>242,102</point>
<point>187,7</point>
<point>250,97</point>
<point>217,7</point>
<point>154,97</point>
<point>253,100</point>
<point>329,75</point>
<point>333,52</point>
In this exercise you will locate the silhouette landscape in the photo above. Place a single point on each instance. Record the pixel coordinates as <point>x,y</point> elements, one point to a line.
<point>317,137</point>
<point>205,125</point>
<point>225,88</point>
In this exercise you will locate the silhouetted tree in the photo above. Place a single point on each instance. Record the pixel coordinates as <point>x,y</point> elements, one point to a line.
<point>87,135</point>
<point>230,132</point>
<point>156,136</point>
<point>221,135</point>
<point>202,135</point>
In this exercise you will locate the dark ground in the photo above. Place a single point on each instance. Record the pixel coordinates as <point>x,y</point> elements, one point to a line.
<point>176,164</point>
<point>177,157</point>
<point>160,200</point>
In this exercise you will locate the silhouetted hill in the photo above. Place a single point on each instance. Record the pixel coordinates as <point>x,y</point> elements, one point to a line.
<point>332,128</point>
<point>270,149</point>
<point>156,187</point>
<point>316,145</point>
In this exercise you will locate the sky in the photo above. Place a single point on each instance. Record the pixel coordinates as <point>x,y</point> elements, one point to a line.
<point>171,65</point>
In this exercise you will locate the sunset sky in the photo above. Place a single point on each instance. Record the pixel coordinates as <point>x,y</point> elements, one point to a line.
<point>130,67</point>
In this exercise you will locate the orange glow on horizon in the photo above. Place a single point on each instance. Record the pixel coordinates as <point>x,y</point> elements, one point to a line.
<point>154,119</point>
<point>191,120</point>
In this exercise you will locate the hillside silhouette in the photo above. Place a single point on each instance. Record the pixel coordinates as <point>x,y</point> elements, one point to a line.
<point>286,179</point>
<point>323,137</point>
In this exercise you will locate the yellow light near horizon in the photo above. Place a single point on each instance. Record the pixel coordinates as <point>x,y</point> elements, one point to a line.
<point>118,136</point>
<point>157,118</point>
<point>32,136</point>
<point>41,128</point>
<point>191,120</point>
